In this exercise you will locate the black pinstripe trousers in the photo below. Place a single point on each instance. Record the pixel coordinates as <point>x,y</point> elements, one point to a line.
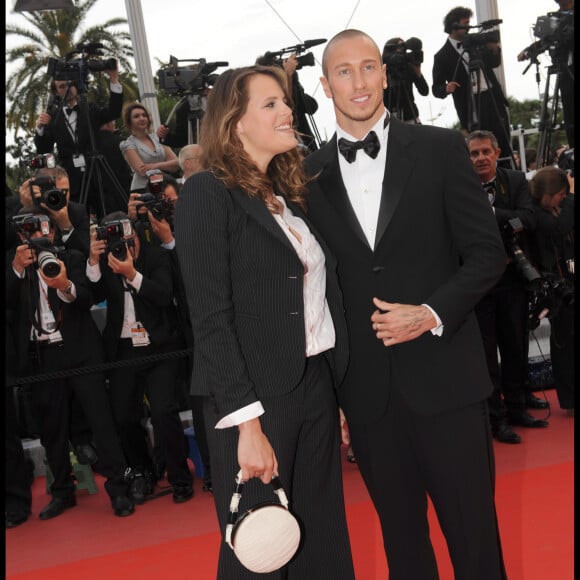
<point>303,429</point>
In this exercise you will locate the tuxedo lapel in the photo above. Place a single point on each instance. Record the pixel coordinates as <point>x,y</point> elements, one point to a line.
<point>400,161</point>
<point>333,188</point>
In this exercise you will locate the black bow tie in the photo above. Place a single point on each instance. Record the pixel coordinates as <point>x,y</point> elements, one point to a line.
<point>370,144</point>
<point>69,110</point>
<point>489,185</point>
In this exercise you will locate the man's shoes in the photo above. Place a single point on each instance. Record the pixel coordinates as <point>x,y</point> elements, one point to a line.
<point>56,506</point>
<point>182,492</point>
<point>504,434</point>
<point>533,402</point>
<point>122,506</point>
<point>14,519</point>
<point>207,484</point>
<point>524,419</point>
<point>142,486</point>
<point>86,454</point>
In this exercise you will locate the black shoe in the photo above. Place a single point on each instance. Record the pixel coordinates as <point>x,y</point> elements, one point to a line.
<point>142,486</point>
<point>182,493</point>
<point>14,519</point>
<point>56,506</point>
<point>122,506</point>
<point>504,434</point>
<point>207,484</point>
<point>524,419</point>
<point>86,454</point>
<point>533,402</point>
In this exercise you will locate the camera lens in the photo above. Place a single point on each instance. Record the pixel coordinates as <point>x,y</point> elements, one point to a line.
<point>55,199</point>
<point>48,263</point>
<point>119,249</point>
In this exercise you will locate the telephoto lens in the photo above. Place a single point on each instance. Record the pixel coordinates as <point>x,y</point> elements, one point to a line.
<point>48,263</point>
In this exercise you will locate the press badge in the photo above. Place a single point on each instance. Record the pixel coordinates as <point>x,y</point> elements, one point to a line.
<point>139,336</point>
<point>79,160</point>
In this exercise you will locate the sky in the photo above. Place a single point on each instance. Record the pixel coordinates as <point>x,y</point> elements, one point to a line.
<point>238,31</point>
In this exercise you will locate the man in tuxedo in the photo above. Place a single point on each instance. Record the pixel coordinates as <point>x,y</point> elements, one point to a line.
<point>66,125</point>
<point>502,313</point>
<point>477,94</point>
<point>417,246</point>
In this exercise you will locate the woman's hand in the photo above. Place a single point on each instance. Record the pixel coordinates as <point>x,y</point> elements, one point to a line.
<point>256,456</point>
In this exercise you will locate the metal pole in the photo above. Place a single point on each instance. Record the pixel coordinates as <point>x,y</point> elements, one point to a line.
<point>487,10</point>
<point>142,60</point>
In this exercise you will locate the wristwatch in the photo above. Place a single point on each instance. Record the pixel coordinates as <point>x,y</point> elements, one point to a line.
<point>68,289</point>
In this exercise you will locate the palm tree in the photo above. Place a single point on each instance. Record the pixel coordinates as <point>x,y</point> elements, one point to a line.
<point>56,34</point>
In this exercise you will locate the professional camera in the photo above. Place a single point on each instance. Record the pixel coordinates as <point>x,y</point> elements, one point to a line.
<point>191,79</point>
<point>302,61</point>
<point>510,233</point>
<point>398,57</point>
<point>153,200</point>
<point>548,295</point>
<point>566,161</point>
<point>52,197</point>
<point>68,68</point>
<point>114,233</point>
<point>39,161</point>
<point>46,253</point>
<point>480,39</point>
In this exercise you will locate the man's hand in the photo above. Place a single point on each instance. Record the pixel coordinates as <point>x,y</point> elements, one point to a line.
<point>160,228</point>
<point>256,456</point>
<point>135,207</point>
<point>43,119</point>
<point>395,323</point>
<point>344,434</point>
<point>124,267</point>
<point>26,196</point>
<point>97,248</point>
<point>452,86</point>
<point>59,282</point>
<point>23,258</point>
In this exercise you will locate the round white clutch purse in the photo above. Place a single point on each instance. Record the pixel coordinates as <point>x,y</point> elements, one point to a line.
<point>266,536</point>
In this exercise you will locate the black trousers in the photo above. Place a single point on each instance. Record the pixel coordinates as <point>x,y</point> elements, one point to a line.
<point>502,317</point>
<point>303,428</point>
<point>404,458</point>
<point>53,405</point>
<point>562,355</point>
<point>157,381</point>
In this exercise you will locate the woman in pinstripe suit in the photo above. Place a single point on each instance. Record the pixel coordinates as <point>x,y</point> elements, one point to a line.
<point>267,315</point>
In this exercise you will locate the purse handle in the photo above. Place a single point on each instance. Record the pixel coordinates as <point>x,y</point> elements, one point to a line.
<point>237,496</point>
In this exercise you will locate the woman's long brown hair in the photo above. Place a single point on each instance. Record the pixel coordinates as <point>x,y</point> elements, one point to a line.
<point>223,152</point>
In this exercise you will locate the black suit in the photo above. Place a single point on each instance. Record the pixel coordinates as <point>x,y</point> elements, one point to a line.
<point>57,132</point>
<point>502,313</point>
<point>492,104</point>
<point>81,347</point>
<point>155,311</point>
<point>244,282</point>
<point>436,243</point>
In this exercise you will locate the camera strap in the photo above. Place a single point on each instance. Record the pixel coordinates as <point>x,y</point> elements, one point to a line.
<point>35,296</point>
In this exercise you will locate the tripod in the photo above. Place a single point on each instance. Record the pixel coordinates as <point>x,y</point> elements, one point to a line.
<point>399,100</point>
<point>493,120</point>
<point>194,115</point>
<point>96,164</point>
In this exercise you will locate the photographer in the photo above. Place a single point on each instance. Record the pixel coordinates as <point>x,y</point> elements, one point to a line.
<point>502,314</point>
<point>54,331</point>
<point>137,281</point>
<point>142,149</point>
<point>553,254</point>
<point>66,125</point>
<point>403,71</point>
<point>304,105</point>
<point>477,94</point>
<point>160,222</point>
<point>560,43</point>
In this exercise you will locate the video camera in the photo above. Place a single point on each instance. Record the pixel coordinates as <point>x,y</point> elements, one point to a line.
<point>50,195</point>
<point>161,208</point>
<point>39,161</point>
<point>46,253</point>
<point>554,31</point>
<point>474,41</point>
<point>191,79</point>
<point>304,60</point>
<point>68,68</point>
<point>398,56</point>
<point>114,233</point>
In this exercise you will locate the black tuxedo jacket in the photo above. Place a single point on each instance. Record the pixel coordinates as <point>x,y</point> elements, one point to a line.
<point>244,283</point>
<point>81,337</point>
<point>437,243</point>
<point>448,66</point>
<point>154,307</point>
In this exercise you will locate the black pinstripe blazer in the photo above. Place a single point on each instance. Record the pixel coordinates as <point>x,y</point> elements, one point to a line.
<point>244,283</point>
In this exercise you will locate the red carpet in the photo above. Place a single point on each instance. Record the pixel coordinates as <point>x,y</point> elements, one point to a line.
<point>534,500</point>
